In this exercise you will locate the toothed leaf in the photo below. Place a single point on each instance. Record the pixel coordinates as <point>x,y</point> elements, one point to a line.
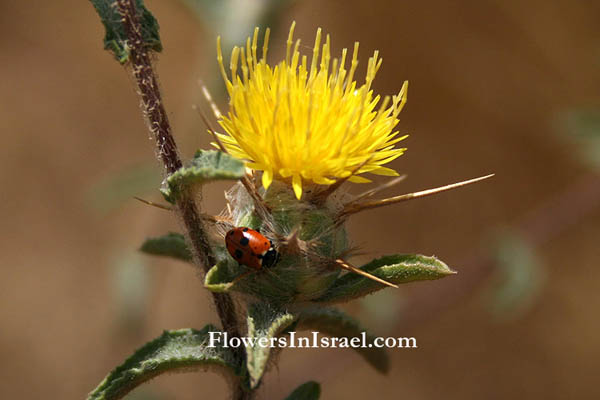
<point>264,322</point>
<point>310,390</point>
<point>206,166</point>
<point>400,268</point>
<point>333,322</point>
<point>170,245</point>
<point>185,349</point>
<point>115,37</point>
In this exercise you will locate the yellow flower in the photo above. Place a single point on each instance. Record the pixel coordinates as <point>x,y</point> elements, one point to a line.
<point>308,122</point>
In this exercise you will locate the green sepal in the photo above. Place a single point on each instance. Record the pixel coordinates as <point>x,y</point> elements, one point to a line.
<point>206,166</point>
<point>310,390</point>
<point>263,322</point>
<point>336,323</point>
<point>399,268</point>
<point>115,37</point>
<point>170,245</point>
<point>184,349</point>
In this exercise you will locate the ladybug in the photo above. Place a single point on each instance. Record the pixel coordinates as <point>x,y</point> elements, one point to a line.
<point>250,248</point>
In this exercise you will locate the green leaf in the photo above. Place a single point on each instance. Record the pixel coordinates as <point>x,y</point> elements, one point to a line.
<point>239,17</point>
<point>130,287</point>
<point>582,126</point>
<point>206,166</point>
<point>219,278</point>
<point>184,349</point>
<point>310,390</point>
<point>170,245</point>
<point>264,323</point>
<point>115,38</point>
<point>336,323</point>
<point>399,268</point>
<point>518,278</point>
<point>583,122</point>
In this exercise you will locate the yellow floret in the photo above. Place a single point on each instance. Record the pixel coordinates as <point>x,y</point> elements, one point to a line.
<point>308,123</point>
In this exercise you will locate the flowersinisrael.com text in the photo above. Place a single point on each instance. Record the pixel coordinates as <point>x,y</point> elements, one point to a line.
<point>314,340</point>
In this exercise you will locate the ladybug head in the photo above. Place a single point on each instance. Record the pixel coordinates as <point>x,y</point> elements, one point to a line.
<point>270,258</point>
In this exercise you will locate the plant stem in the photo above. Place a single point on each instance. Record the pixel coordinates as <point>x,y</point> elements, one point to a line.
<point>159,126</point>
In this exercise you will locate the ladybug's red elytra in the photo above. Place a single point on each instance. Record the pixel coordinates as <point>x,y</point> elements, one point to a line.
<point>250,248</point>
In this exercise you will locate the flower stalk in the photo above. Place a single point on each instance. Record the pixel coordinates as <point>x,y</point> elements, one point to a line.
<point>158,123</point>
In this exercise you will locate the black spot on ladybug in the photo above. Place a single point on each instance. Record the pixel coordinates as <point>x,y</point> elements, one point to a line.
<point>245,229</point>
<point>238,253</point>
<point>244,241</point>
<point>266,243</point>
<point>231,233</point>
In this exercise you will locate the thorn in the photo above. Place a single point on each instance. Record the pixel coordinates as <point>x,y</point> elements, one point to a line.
<point>210,100</point>
<point>209,128</point>
<point>215,219</point>
<point>153,204</point>
<point>379,188</point>
<point>320,197</point>
<point>352,208</point>
<point>261,207</point>
<point>344,265</point>
<point>292,242</point>
<point>218,219</point>
<point>354,251</point>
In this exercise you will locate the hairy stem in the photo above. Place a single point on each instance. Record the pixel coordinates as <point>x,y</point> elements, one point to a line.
<point>158,124</point>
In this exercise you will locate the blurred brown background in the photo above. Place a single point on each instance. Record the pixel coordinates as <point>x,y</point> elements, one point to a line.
<point>490,83</point>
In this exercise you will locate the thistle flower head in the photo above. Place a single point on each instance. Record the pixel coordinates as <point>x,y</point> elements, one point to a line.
<point>308,122</point>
